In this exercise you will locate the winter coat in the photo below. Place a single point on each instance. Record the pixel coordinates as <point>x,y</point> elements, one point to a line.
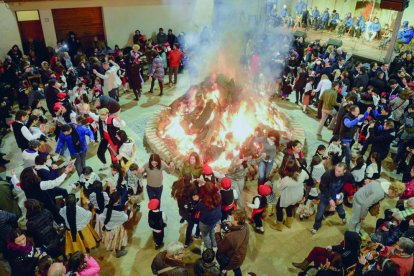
<point>291,190</point>
<point>157,69</point>
<point>382,141</point>
<point>40,228</point>
<point>161,261</point>
<point>111,104</point>
<point>398,106</point>
<point>234,244</point>
<point>349,249</point>
<point>202,268</point>
<point>67,139</point>
<point>7,199</point>
<point>175,56</point>
<point>92,268</point>
<point>209,217</point>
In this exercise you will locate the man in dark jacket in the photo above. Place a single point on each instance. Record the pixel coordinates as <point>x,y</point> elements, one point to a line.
<point>107,102</point>
<point>233,245</point>
<point>378,82</point>
<point>51,92</point>
<point>381,141</point>
<point>331,185</point>
<point>361,79</point>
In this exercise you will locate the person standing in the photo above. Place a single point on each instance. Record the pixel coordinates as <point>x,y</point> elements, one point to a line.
<point>329,103</point>
<point>111,79</point>
<point>331,185</point>
<point>291,190</point>
<point>51,91</point>
<point>349,127</point>
<point>174,57</point>
<point>324,84</point>
<point>232,246</point>
<point>370,195</point>
<point>157,73</point>
<point>108,127</point>
<point>75,139</point>
<point>154,169</point>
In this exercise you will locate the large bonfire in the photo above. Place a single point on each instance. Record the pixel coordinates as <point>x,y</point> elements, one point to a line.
<point>217,119</point>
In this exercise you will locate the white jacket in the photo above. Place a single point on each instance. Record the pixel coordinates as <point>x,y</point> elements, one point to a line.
<point>111,79</point>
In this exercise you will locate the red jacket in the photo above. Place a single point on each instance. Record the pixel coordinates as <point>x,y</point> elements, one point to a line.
<point>175,56</point>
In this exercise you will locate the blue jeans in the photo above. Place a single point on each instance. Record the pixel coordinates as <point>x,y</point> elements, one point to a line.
<point>154,192</point>
<point>208,234</point>
<point>264,171</point>
<point>347,152</point>
<point>321,211</point>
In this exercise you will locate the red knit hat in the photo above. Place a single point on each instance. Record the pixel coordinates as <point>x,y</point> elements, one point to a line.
<point>153,204</point>
<point>57,106</point>
<point>207,170</point>
<point>89,120</point>
<point>264,190</point>
<point>61,95</point>
<point>225,183</point>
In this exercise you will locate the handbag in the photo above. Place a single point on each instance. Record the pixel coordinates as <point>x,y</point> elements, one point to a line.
<point>374,210</point>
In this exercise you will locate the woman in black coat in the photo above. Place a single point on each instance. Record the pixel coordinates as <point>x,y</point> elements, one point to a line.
<point>40,228</point>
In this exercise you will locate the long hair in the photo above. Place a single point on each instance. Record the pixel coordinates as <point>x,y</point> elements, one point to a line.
<point>157,158</point>
<point>197,160</point>
<point>209,194</point>
<point>118,169</point>
<point>32,118</point>
<point>97,188</point>
<point>183,189</point>
<point>29,180</point>
<point>33,207</point>
<point>359,163</point>
<point>290,169</point>
<point>114,197</point>
<point>76,261</point>
<point>71,214</point>
<point>122,136</point>
<point>66,115</point>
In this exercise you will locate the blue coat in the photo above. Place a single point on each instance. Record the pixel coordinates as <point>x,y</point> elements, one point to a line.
<point>348,22</point>
<point>374,27</point>
<point>406,36</point>
<point>316,13</point>
<point>325,16</point>
<point>67,140</point>
<point>300,7</point>
<point>335,19</point>
<point>284,13</point>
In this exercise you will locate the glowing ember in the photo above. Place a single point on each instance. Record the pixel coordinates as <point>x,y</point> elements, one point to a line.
<point>216,119</point>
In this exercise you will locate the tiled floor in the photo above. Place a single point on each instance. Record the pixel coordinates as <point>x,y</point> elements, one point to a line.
<point>268,254</point>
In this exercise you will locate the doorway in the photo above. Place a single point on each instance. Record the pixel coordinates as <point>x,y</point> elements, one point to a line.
<point>31,33</point>
<point>86,23</point>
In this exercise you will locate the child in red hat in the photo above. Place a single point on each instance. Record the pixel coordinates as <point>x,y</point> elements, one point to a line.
<point>156,221</point>
<point>259,205</point>
<point>207,174</point>
<point>228,197</point>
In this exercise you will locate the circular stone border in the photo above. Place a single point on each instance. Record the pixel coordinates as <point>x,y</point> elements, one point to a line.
<point>156,145</point>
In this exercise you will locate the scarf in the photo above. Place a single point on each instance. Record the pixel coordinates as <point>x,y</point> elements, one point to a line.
<point>24,250</point>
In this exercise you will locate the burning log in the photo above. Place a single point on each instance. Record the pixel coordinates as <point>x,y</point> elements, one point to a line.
<point>216,119</point>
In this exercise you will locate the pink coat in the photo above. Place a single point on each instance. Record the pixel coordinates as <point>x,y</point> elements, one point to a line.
<point>409,190</point>
<point>92,268</point>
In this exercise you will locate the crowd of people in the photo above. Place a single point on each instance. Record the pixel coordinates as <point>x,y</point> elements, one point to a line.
<point>72,102</point>
<point>302,16</point>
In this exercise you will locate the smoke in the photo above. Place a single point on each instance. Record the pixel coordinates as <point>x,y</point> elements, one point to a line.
<point>239,29</point>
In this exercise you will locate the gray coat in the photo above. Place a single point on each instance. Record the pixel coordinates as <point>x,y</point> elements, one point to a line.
<point>369,195</point>
<point>157,68</point>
